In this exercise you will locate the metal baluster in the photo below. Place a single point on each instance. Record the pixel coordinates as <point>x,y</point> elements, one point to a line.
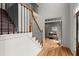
<point>24,19</point>
<point>21,18</point>
<point>8,16</point>
<point>1,19</point>
<point>13,21</point>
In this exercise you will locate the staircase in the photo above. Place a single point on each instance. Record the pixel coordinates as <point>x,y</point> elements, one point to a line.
<point>37,33</point>
<point>34,26</point>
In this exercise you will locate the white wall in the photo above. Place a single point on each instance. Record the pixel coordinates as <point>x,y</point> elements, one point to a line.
<point>21,44</point>
<point>2,51</point>
<point>73,9</point>
<point>2,48</point>
<point>52,10</point>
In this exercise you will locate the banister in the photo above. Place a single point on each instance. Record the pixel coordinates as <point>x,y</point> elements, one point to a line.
<point>35,21</point>
<point>32,15</point>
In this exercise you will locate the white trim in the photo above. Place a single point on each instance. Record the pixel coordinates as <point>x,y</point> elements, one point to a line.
<point>76,10</point>
<point>19,17</point>
<point>22,18</point>
<point>28,18</point>
<point>53,21</point>
<point>10,36</point>
<point>3,5</point>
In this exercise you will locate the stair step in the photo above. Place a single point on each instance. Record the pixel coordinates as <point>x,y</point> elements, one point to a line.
<point>36,41</point>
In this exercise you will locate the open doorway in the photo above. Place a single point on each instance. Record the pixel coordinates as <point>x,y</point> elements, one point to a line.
<point>53,29</point>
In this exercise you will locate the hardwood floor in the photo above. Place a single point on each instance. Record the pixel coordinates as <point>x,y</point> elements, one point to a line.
<point>52,48</point>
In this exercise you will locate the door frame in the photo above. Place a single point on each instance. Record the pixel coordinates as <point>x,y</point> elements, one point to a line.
<point>77,14</point>
<point>58,19</point>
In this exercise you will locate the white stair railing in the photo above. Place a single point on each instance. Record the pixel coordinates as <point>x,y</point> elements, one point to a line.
<point>32,18</point>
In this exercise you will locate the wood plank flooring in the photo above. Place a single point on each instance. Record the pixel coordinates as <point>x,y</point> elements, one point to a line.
<point>52,48</point>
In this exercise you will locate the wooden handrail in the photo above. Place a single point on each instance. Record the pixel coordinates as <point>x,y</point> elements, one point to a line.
<point>35,21</point>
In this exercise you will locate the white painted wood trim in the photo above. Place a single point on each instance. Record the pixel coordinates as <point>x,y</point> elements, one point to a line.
<point>22,18</point>
<point>28,18</point>
<point>3,5</point>
<point>53,21</point>
<point>19,17</point>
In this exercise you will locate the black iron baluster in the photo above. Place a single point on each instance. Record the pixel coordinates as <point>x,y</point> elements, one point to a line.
<point>21,18</point>
<point>8,16</point>
<point>27,20</point>
<point>13,20</point>
<point>24,19</point>
<point>1,20</point>
<point>13,28</point>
